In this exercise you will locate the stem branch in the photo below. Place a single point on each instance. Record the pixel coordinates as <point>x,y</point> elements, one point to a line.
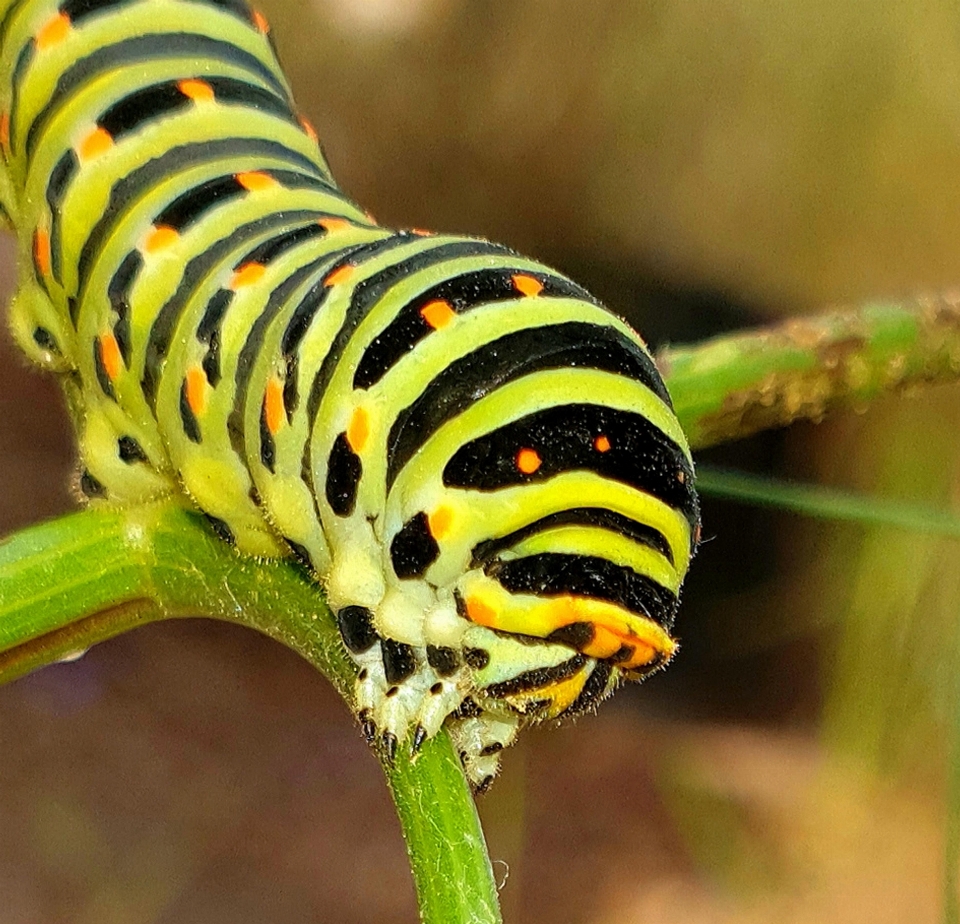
<point>735,385</point>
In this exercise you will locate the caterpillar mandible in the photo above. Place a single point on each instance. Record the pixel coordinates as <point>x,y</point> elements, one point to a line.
<point>477,461</point>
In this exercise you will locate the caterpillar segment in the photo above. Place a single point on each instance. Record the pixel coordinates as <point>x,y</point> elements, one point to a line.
<point>477,462</point>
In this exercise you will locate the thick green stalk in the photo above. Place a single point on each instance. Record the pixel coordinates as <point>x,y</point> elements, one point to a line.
<point>68,584</point>
<point>729,387</point>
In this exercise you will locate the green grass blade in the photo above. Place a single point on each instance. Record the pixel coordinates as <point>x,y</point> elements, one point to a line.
<point>825,503</point>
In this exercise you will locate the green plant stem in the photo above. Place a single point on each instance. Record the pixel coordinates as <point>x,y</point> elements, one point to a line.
<point>729,387</point>
<point>68,584</point>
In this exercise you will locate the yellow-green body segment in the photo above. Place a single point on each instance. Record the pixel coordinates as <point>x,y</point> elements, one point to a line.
<point>477,461</point>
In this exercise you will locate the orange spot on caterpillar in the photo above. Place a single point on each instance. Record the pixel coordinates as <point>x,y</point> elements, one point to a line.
<point>332,225</point>
<point>340,274</point>
<point>96,143</point>
<point>480,613</point>
<point>53,32</point>
<point>247,275</point>
<point>197,90</point>
<point>528,461</point>
<point>110,355</point>
<point>437,313</point>
<point>197,390</point>
<point>642,655</point>
<point>260,21</point>
<point>307,126</point>
<point>527,285</point>
<point>603,644</point>
<point>696,534</point>
<point>359,430</point>
<point>602,443</point>
<point>159,238</point>
<point>273,410</point>
<point>682,476</point>
<point>440,522</point>
<point>422,232</point>
<point>5,129</point>
<point>255,181</point>
<point>41,250</point>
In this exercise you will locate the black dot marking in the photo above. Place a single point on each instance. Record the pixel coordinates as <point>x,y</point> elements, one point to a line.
<point>393,691</point>
<point>300,552</point>
<point>445,661</point>
<point>362,676</point>
<point>356,628</point>
<point>221,529</point>
<point>90,486</point>
<point>130,450</point>
<point>413,549</point>
<point>483,785</point>
<point>468,709</point>
<point>436,689</point>
<point>398,660</point>
<point>45,340</point>
<point>477,658</point>
<point>491,749</point>
<point>623,653</point>
<point>343,477</point>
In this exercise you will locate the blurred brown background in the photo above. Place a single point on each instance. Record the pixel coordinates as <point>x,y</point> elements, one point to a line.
<point>701,165</point>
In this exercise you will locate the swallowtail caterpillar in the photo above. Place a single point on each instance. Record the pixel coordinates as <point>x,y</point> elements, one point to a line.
<point>478,462</point>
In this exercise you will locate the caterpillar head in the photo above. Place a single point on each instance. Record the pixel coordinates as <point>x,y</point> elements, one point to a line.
<point>488,635</point>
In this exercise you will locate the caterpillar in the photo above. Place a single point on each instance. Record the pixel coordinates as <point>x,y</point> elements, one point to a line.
<point>477,462</point>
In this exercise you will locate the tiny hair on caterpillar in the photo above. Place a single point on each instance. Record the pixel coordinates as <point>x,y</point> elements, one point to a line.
<point>477,462</point>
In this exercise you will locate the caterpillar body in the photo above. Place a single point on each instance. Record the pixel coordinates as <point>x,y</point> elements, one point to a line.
<point>477,461</point>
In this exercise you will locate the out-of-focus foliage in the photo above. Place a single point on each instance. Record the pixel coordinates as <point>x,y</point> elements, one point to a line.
<point>700,164</point>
